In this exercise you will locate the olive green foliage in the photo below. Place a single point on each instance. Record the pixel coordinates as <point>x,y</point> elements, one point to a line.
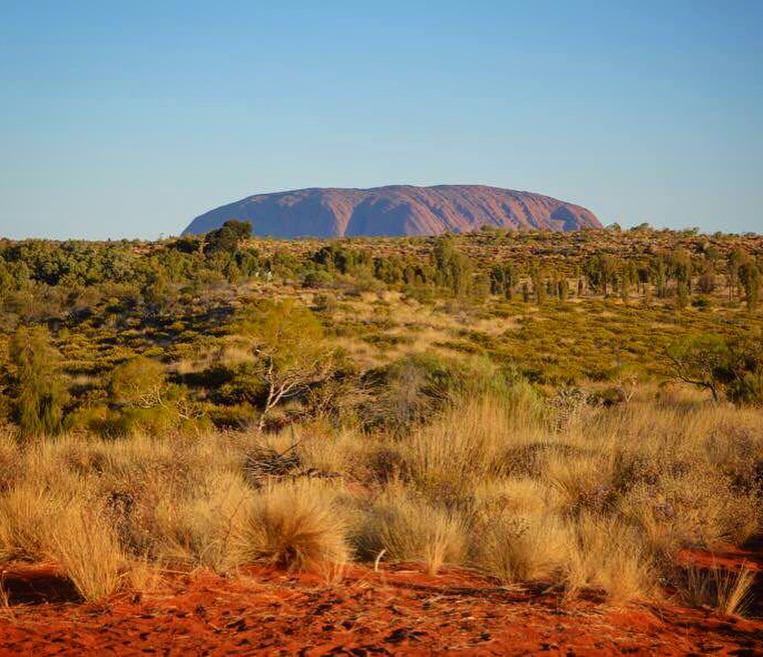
<point>142,399</point>
<point>228,237</point>
<point>288,346</point>
<point>745,380</point>
<point>453,268</point>
<point>719,365</point>
<point>557,309</point>
<point>600,271</point>
<point>138,383</point>
<point>751,278</point>
<point>701,361</point>
<point>503,279</point>
<point>414,389</point>
<point>38,389</point>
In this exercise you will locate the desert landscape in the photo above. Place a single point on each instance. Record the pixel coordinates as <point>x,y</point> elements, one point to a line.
<point>381,328</point>
<point>499,442</point>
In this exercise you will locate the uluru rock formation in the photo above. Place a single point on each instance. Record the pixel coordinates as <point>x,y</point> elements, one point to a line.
<point>396,210</point>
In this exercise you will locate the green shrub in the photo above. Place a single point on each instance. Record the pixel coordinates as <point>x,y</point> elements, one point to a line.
<point>39,389</point>
<point>289,351</point>
<point>138,383</point>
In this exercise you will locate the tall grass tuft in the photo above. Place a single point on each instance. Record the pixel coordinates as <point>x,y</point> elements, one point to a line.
<point>728,592</point>
<point>28,514</point>
<point>406,527</point>
<point>298,526</point>
<point>521,548</point>
<point>87,549</point>
<point>607,554</point>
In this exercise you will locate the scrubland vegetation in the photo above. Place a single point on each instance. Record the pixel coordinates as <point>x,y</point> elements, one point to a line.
<point>570,409</point>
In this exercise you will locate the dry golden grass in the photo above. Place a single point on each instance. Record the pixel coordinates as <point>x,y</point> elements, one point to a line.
<point>88,551</point>
<point>10,461</point>
<point>27,515</point>
<point>298,526</point>
<point>729,593</point>
<point>580,481</point>
<point>495,481</point>
<point>405,527</point>
<point>143,575</point>
<point>4,598</point>
<point>517,495</point>
<point>521,548</point>
<point>199,529</point>
<point>606,554</point>
<point>326,450</point>
<point>470,444</point>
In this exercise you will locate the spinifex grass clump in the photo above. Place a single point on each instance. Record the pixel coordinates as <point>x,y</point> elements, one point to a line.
<point>297,526</point>
<point>729,592</point>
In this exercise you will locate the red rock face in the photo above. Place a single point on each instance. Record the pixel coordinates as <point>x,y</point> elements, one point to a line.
<point>396,210</point>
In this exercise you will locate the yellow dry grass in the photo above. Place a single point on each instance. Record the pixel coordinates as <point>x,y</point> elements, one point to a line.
<point>495,482</point>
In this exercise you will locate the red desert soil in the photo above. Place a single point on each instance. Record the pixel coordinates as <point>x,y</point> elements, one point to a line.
<point>399,610</point>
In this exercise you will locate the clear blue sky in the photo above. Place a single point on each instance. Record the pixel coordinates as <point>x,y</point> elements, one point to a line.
<point>130,118</point>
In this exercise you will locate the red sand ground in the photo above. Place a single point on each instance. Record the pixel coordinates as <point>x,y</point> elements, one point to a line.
<point>397,611</point>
